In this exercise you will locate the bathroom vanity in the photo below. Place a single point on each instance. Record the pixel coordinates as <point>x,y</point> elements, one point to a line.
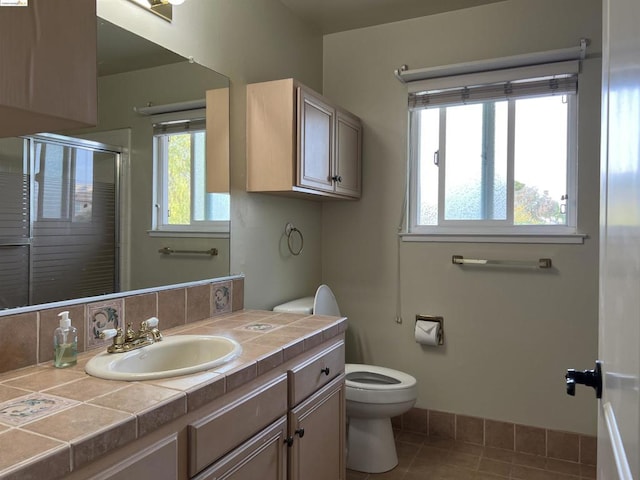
<point>276,412</point>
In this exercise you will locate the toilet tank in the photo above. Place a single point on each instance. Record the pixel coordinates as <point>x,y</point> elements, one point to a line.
<point>299,305</point>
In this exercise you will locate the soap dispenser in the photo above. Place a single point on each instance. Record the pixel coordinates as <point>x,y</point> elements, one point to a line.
<point>65,343</point>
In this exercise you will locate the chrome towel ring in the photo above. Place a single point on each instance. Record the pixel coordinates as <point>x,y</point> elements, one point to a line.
<point>290,230</point>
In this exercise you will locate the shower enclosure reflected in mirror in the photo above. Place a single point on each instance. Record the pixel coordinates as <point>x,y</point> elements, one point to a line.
<point>77,208</point>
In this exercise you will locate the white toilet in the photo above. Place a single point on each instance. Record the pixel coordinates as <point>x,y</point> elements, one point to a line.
<point>374,395</point>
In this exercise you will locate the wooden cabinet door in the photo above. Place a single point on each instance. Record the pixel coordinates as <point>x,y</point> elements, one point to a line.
<point>317,427</point>
<point>316,120</point>
<point>261,457</point>
<point>348,155</point>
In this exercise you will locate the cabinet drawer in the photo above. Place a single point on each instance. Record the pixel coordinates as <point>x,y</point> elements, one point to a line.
<point>213,436</point>
<point>262,457</point>
<point>307,377</point>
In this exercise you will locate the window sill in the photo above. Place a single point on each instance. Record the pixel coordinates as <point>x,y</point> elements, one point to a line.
<point>187,234</point>
<point>573,238</point>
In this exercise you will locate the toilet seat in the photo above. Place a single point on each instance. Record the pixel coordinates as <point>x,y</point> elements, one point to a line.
<point>381,385</point>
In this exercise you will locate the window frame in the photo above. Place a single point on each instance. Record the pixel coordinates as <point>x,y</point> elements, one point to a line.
<point>490,230</point>
<point>160,225</point>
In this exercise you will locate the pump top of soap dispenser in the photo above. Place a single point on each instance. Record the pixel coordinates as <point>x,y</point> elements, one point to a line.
<point>65,321</point>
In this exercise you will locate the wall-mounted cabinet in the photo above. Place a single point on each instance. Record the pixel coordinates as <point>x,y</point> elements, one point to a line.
<point>48,65</point>
<point>300,143</point>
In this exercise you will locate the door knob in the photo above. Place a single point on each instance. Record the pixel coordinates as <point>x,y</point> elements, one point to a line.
<point>590,378</point>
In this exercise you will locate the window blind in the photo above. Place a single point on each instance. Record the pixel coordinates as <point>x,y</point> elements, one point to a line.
<point>467,94</point>
<point>179,122</point>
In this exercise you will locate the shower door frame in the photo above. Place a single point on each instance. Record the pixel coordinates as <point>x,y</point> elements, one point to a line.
<point>74,142</point>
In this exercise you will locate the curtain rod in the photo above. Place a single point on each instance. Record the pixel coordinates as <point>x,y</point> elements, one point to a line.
<point>171,107</point>
<point>404,75</point>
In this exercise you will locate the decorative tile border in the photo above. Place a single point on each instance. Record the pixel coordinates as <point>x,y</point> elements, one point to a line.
<point>25,409</point>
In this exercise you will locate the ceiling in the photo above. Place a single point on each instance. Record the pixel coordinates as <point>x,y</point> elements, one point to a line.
<point>339,15</point>
<point>121,51</point>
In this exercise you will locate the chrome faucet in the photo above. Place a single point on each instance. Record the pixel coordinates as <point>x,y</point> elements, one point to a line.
<point>130,339</point>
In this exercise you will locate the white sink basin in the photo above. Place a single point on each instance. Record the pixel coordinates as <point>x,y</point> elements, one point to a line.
<point>173,356</point>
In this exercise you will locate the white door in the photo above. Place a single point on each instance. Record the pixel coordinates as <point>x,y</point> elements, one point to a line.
<point>619,344</point>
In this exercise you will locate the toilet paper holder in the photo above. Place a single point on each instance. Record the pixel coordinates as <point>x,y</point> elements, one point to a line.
<point>434,318</point>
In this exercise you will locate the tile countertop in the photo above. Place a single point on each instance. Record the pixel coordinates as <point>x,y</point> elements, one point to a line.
<point>53,419</point>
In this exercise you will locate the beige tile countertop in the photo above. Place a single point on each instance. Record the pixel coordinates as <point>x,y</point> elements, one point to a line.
<point>55,420</point>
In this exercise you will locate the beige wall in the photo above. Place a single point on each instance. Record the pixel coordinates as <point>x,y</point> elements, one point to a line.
<point>249,41</point>
<point>142,265</point>
<point>510,335</point>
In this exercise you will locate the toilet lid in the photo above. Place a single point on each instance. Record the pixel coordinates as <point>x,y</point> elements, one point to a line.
<point>372,377</point>
<point>325,302</point>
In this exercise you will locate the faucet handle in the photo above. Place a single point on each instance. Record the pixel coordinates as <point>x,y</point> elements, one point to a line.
<point>108,333</point>
<point>150,322</point>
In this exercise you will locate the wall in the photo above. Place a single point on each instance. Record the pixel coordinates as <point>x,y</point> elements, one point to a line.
<point>248,41</point>
<point>142,265</point>
<point>510,335</point>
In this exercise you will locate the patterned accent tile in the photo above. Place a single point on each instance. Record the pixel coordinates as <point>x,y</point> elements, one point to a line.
<point>100,316</point>
<point>259,327</point>
<point>222,302</point>
<point>28,408</point>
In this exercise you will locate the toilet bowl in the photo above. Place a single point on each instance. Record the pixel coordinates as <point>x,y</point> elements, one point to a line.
<point>373,395</point>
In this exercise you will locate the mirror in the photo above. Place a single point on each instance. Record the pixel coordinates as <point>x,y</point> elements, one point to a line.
<point>132,73</point>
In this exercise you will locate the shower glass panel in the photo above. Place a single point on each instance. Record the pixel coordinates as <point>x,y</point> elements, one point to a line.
<point>74,246</point>
<point>14,223</point>
<point>58,220</point>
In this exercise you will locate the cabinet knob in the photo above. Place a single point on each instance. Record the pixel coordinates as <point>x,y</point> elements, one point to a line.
<point>326,371</point>
<point>288,441</point>
<point>300,432</point>
<point>336,178</point>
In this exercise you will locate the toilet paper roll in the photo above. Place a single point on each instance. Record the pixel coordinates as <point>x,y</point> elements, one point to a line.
<point>428,332</point>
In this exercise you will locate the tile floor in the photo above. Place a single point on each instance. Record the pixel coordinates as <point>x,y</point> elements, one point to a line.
<point>424,457</point>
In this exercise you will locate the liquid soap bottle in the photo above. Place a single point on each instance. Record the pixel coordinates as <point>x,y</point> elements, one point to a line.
<point>65,343</point>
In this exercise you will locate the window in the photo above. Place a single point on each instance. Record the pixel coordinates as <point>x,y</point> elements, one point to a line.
<point>182,203</point>
<point>494,159</point>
